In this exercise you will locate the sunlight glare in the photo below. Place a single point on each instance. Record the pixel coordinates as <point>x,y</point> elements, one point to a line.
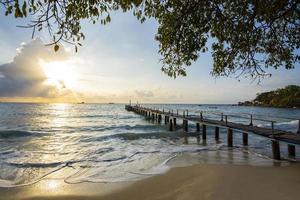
<point>60,73</point>
<point>52,184</point>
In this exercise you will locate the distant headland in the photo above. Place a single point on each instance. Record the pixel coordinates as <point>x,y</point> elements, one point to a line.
<point>288,97</point>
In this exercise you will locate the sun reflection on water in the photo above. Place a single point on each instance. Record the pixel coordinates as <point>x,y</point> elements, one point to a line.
<point>52,184</point>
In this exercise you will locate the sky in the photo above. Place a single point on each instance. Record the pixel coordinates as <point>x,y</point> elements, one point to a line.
<point>117,63</point>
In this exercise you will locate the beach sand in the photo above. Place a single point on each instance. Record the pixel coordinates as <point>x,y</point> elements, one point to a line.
<point>203,182</point>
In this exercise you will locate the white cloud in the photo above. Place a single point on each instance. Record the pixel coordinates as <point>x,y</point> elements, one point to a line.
<point>24,76</point>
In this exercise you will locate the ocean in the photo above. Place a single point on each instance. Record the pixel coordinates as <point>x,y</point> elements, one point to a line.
<point>105,143</point>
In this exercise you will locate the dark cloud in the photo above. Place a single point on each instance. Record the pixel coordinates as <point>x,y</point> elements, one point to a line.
<point>24,76</point>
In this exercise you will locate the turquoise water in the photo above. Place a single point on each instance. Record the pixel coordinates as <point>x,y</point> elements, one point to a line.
<point>104,143</point>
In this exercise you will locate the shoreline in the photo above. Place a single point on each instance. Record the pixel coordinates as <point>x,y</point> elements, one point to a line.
<point>200,181</point>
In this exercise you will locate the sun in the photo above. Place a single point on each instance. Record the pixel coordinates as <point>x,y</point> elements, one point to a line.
<point>62,74</point>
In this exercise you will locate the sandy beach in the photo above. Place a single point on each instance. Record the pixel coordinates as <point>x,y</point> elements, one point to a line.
<point>182,183</point>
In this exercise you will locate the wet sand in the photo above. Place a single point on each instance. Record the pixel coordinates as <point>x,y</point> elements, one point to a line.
<point>205,182</point>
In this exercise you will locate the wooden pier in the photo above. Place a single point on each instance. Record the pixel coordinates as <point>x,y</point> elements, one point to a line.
<point>273,134</point>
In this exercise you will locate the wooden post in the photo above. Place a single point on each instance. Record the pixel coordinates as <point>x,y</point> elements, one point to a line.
<point>226,119</point>
<point>251,121</point>
<point>198,131</point>
<point>198,127</point>
<point>272,125</point>
<point>153,117</point>
<point>291,150</point>
<point>222,117</point>
<point>166,118</point>
<point>177,112</point>
<point>203,131</point>
<point>186,127</point>
<point>159,118</point>
<point>298,127</point>
<point>276,149</point>
<point>245,139</point>
<point>171,125</point>
<point>187,113</point>
<point>229,137</point>
<point>217,133</point>
<point>201,116</point>
<point>183,113</point>
<point>174,119</point>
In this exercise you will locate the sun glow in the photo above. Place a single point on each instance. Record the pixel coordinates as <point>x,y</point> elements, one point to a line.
<point>60,73</point>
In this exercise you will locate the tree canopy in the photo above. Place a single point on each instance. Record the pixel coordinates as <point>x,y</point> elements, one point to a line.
<point>282,97</point>
<point>247,36</point>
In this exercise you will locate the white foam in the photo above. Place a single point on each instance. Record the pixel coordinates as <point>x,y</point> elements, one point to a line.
<point>286,126</point>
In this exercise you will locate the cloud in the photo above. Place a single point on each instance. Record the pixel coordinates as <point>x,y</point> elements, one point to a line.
<point>144,93</point>
<point>24,75</point>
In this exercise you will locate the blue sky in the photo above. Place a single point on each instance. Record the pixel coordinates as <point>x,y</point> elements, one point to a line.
<point>120,61</point>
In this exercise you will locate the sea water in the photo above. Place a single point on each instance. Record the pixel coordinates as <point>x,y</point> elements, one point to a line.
<point>105,143</point>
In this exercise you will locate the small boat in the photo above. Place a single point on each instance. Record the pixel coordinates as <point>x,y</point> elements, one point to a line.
<point>81,102</point>
<point>111,103</point>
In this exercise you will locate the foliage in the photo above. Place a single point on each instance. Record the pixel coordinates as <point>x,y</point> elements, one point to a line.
<point>248,36</point>
<point>284,97</point>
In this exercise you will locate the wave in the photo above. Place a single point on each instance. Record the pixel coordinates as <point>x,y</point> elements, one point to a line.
<point>14,133</point>
<point>134,136</point>
<point>41,165</point>
<point>13,184</point>
<point>291,125</point>
<point>122,127</point>
<point>286,126</point>
<point>95,173</point>
<point>114,159</point>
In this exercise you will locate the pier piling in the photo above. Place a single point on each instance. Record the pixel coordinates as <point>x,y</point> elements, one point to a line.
<point>229,137</point>
<point>186,125</point>
<point>217,137</point>
<point>159,119</point>
<point>291,150</point>
<point>198,127</point>
<point>276,149</point>
<point>203,131</point>
<point>171,125</point>
<point>245,139</point>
